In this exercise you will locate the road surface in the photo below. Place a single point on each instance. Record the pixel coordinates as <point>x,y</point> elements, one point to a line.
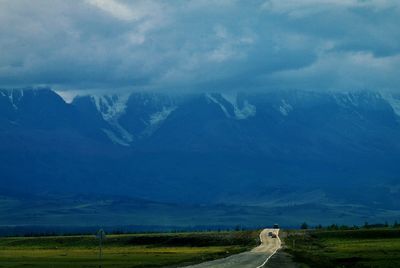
<point>256,258</point>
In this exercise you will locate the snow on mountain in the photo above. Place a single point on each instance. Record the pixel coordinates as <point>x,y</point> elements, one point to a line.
<point>156,119</point>
<point>285,108</point>
<point>244,111</point>
<point>240,112</point>
<point>133,116</point>
<point>212,98</point>
<point>159,117</point>
<point>393,101</point>
<point>357,98</point>
<point>124,140</point>
<point>14,96</point>
<point>111,107</point>
<point>346,99</point>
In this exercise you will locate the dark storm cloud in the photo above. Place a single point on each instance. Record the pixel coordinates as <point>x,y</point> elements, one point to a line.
<point>201,44</point>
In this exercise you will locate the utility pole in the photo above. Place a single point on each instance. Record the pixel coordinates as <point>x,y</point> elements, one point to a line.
<point>101,235</point>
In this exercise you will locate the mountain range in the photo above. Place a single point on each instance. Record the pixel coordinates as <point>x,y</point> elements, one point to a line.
<point>296,153</point>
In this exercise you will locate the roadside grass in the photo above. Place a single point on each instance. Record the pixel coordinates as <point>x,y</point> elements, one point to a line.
<point>345,248</point>
<point>135,250</point>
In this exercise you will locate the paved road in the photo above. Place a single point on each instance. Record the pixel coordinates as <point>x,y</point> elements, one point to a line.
<point>256,258</point>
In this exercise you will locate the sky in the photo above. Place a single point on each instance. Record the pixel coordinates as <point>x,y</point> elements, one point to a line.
<point>200,45</point>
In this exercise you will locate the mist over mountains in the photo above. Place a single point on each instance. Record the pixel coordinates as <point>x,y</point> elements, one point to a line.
<point>310,153</point>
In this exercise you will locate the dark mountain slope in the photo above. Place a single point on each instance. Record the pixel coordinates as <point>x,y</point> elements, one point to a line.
<point>258,148</point>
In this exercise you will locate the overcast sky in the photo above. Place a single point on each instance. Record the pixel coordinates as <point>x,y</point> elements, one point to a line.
<point>210,45</point>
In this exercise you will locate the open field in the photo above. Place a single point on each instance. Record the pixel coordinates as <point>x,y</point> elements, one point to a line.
<point>135,250</point>
<point>346,248</point>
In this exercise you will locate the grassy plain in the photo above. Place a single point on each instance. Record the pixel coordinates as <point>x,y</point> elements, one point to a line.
<point>346,248</point>
<point>133,250</point>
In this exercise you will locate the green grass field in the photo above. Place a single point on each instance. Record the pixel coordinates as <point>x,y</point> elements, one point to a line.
<point>136,250</point>
<point>346,248</point>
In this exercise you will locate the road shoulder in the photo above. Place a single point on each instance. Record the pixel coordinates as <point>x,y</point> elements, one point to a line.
<point>282,259</point>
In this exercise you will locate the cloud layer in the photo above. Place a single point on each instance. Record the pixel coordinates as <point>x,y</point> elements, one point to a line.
<point>212,45</point>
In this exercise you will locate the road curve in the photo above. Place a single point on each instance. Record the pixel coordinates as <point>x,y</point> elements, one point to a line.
<point>255,258</point>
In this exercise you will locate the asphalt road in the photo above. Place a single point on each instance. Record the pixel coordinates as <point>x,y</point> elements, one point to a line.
<point>256,258</point>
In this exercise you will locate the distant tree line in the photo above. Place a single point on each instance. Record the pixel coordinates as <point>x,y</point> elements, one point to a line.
<point>305,226</point>
<point>57,231</point>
